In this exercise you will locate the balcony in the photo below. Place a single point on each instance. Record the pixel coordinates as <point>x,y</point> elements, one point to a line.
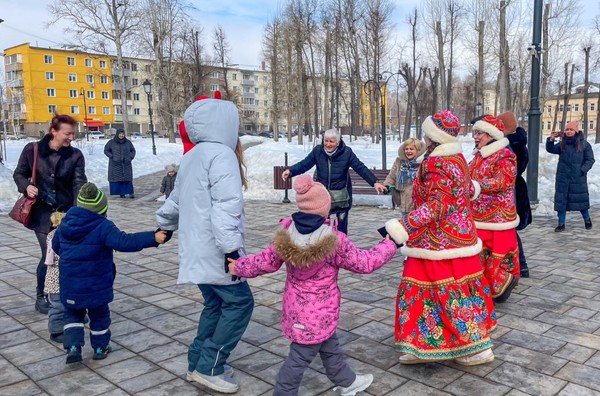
<point>13,67</point>
<point>14,83</point>
<point>115,72</point>
<point>117,102</point>
<point>248,83</point>
<point>248,95</point>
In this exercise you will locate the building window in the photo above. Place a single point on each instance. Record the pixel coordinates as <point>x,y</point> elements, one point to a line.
<point>89,78</point>
<point>87,62</point>
<point>576,106</point>
<point>569,107</point>
<point>256,78</point>
<point>265,90</point>
<point>134,81</point>
<point>549,109</point>
<point>234,76</point>
<point>246,89</point>
<point>52,109</point>
<point>264,79</point>
<point>51,92</point>
<point>72,77</point>
<point>106,110</point>
<point>548,125</point>
<point>50,76</point>
<point>118,110</point>
<point>592,106</point>
<point>266,103</point>
<point>105,95</point>
<point>214,87</point>
<point>102,64</point>
<point>136,96</point>
<point>256,90</point>
<point>214,74</point>
<point>70,62</point>
<point>91,109</point>
<point>561,107</point>
<point>48,59</point>
<point>91,94</point>
<point>134,67</point>
<point>136,111</point>
<point>246,76</point>
<point>74,109</point>
<point>148,68</point>
<point>104,79</point>
<point>72,93</point>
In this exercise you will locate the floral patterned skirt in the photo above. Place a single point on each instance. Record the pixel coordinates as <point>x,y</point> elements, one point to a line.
<point>500,258</point>
<point>444,309</point>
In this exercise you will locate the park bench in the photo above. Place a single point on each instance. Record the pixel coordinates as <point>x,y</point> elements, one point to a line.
<point>360,186</point>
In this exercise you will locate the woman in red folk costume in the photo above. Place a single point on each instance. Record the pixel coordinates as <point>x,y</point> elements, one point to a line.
<point>494,171</point>
<point>444,309</point>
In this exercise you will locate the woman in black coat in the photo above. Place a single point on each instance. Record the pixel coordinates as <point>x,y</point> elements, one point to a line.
<point>576,158</point>
<point>333,160</point>
<point>120,153</point>
<point>60,173</point>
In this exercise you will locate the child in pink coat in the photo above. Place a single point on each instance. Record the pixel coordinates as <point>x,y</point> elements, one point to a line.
<point>313,252</point>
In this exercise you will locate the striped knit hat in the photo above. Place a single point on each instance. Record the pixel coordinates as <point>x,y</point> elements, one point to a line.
<point>92,199</point>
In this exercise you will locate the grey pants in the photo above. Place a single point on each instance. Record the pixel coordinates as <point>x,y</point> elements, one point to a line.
<point>300,357</point>
<point>55,314</point>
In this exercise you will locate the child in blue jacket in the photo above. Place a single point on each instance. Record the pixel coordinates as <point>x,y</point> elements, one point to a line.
<point>85,241</point>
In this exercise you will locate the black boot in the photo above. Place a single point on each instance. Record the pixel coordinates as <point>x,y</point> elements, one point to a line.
<point>560,228</point>
<point>42,305</point>
<point>588,224</point>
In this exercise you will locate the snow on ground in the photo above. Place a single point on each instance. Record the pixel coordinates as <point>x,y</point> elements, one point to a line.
<point>262,155</point>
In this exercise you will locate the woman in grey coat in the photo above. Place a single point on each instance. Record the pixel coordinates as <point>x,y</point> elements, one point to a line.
<point>120,153</point>
<point>576,158</point>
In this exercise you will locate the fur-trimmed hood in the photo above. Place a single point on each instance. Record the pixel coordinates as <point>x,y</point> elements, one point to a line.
<point>300,251</point>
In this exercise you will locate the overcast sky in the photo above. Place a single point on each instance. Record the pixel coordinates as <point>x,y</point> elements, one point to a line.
<point>242,20</point>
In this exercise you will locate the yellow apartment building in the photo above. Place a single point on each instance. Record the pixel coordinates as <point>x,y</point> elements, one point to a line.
<point>44,81</point>
<point>575,110</point>
<point>371,118</point>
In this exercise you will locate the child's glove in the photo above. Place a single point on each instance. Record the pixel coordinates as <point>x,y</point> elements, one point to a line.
<point>233,255</point>
<point>390,189</point>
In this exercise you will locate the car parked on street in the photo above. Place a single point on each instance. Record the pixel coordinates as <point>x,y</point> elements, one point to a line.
<point>96,135</point>
<point>137,135</point>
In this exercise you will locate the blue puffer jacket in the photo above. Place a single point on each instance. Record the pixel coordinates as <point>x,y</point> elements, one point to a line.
<point>340,162</point>
<point>85,242</point>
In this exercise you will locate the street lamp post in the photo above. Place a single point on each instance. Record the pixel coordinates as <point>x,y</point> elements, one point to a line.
<point>85,120</point>
<point>148,89</point>
<point>382,80</point>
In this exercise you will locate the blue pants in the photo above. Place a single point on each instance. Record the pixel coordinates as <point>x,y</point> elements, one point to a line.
<point>226,314</point>
<point>300,357</point>
<point>55,314</point>
<point>562,216</point>
<point>99,326</point>
<point>342,218</point>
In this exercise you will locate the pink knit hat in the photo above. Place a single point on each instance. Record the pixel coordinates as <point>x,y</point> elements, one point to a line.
<point>312,197</point>
<point>574,125</point>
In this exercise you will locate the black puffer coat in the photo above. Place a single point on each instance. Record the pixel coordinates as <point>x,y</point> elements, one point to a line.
<point>120,153</point>
<point>518,144</point>
<point>60,175</point>
<point>571,190</point>
<point>340,162</point>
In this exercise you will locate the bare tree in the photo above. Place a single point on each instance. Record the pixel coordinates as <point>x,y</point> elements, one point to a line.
<point>101,25</point>
<point>221,51</point>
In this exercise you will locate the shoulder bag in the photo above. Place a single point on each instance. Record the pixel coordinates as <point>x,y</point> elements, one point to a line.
<point>21,211</point>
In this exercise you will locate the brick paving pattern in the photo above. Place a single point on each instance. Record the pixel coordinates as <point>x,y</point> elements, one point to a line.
<point>547,341</point>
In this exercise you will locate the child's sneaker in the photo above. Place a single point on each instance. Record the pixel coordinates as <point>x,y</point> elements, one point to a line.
<point>227,370</point>
<point>361,383</point>
<point>101,353</point>
<point>74,354</point>
<point>220,383</point>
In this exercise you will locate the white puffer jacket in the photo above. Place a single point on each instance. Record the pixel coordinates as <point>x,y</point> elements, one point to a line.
<point>207,205</point>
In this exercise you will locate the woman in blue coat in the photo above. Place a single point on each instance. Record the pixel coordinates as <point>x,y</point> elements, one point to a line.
<point>576,158</point>
<point>333,160</point>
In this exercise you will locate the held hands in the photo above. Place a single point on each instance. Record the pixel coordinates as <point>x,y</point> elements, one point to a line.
<point>380,188</point>
<point>160,236</point>
<point>286,173</point>
<point>32,191</point>
<point>232,266</point>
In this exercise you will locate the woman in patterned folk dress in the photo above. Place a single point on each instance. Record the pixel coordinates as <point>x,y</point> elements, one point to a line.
<point>444,309</point>
<point>494,171</point>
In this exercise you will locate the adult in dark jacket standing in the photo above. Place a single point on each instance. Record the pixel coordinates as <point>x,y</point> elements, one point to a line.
<point>120,153</point>
<point>576,158</point>
<point>333,159</point>
<point>60,173</point>
<point>517,139</point>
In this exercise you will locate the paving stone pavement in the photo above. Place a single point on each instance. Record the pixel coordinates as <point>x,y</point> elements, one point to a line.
<point>547,341</point>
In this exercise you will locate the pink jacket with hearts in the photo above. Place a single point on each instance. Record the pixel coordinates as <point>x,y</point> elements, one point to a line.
<point>311,299</point>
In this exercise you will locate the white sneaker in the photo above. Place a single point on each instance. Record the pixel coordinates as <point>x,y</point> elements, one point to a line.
<point>220,383</point>
<point>228,371</point>
<point>479,358</point>
<point>361,383</point>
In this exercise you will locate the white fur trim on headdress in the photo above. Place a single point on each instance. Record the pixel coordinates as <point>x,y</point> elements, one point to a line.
<point>396,230</point>
<point>442,254</point>
<point>497,226</point>
<point>493,147</point>
<point>477,188</point>
<point>488,128</point>
<point>434,133</point>
<point>443,150</point>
